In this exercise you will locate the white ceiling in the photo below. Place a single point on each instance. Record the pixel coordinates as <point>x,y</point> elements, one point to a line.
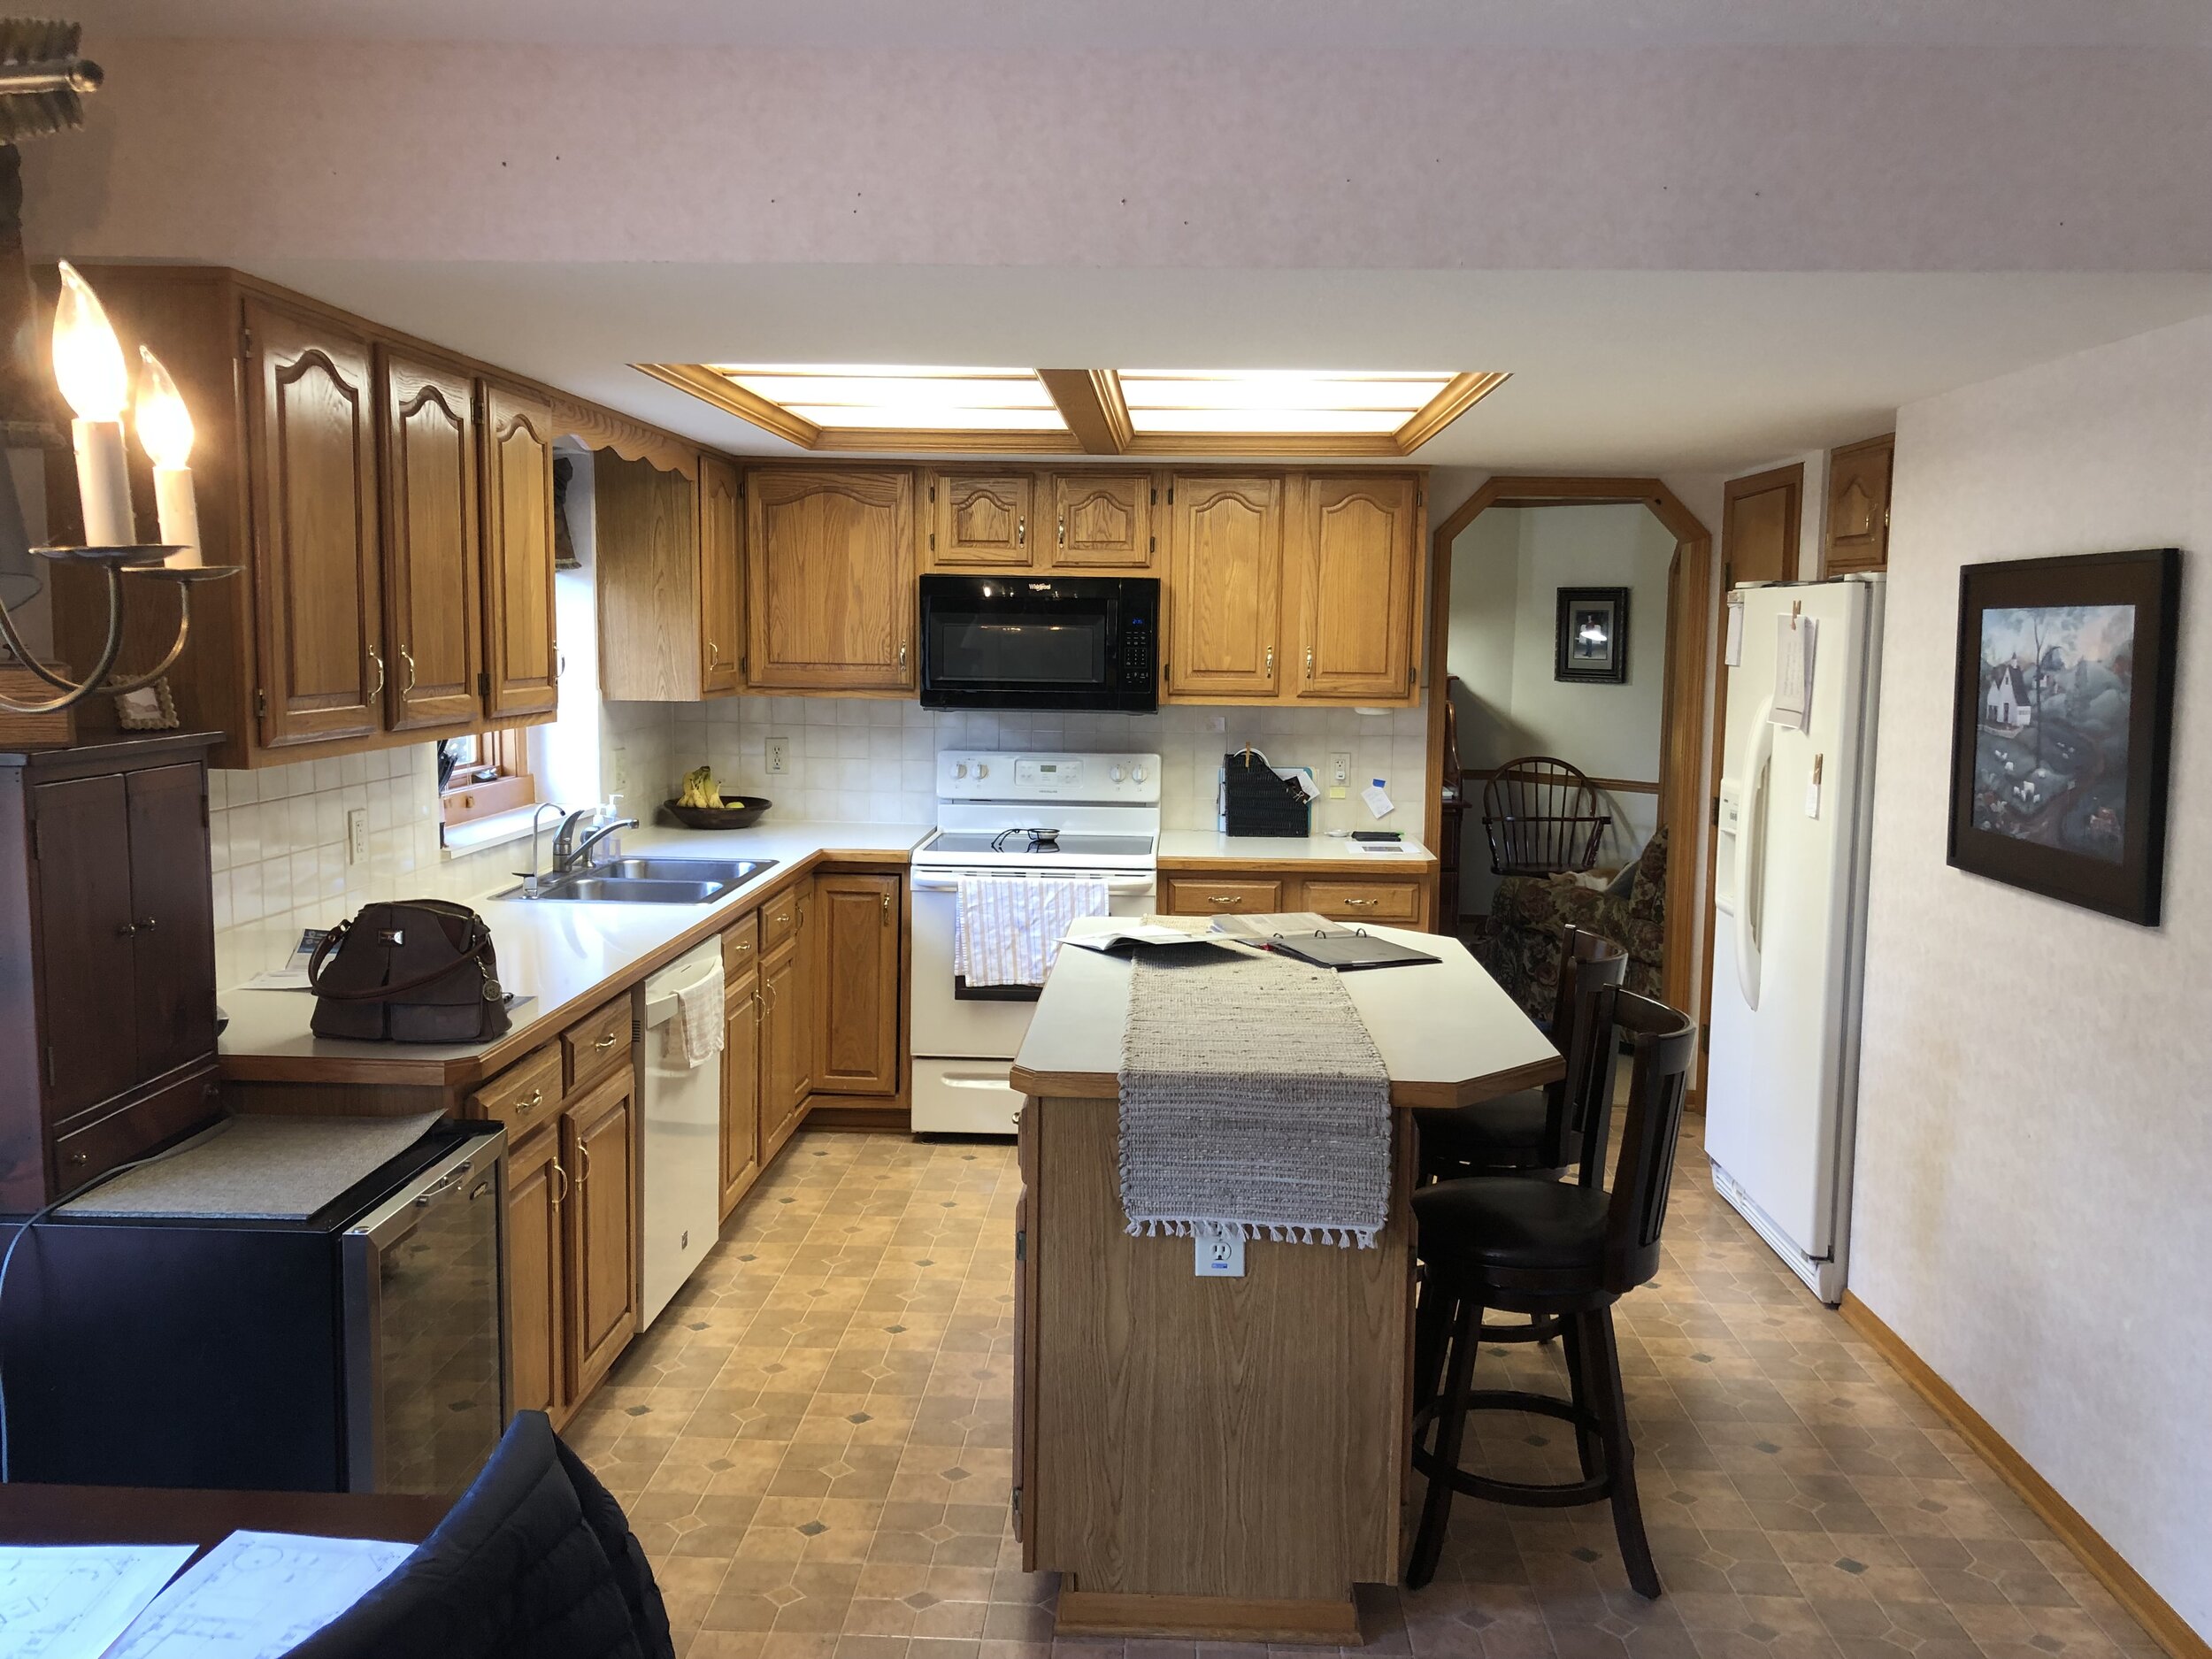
<point>1643,371</point>
<point>1111,25</point>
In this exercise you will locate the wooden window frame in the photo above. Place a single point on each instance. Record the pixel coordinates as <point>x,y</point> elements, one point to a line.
<point>515,786</point>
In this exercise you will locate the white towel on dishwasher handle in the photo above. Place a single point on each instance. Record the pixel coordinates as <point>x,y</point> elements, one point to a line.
<point>1008,927</point>
<point>695,1036</point>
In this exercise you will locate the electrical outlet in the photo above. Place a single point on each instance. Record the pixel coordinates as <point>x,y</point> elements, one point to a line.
<point>1220,1253</point>
<point>358,836</point>
<point>779,756</point>
<point>1340,770</point>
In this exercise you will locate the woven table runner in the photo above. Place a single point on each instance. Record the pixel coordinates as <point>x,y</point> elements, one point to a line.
<point>1252,1102</point>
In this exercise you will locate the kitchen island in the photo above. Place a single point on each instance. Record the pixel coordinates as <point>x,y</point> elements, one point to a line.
<point>1223,1458</point>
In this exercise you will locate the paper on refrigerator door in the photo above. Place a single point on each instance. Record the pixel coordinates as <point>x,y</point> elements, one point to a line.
<point>1795,639</point>
<point>1732,654</point>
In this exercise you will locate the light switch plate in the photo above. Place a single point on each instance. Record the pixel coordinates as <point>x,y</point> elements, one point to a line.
<point>779,756</point>
<point>358,836</point>
<point>1220,1253</point>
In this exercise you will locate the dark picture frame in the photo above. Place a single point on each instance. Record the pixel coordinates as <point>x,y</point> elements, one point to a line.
<point>1575,656</point>
<point>2062,726</point>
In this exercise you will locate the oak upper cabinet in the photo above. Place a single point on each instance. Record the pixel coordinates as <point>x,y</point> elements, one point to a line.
<point>1224,586</point>
<point>598,1134</point>
<point>431,614</point>
<point>521,661</point>
<point>536,1312</point>
<point>1858,506</point>
<point>830,570</point>
<point>741,1087</point>
<point>1102,520</point>
<point>652,629</point>
<point>721,579</point>
<point>980,521</point>
<point>311,468</point>
<point>857,926</point>
<point>1359,564</point>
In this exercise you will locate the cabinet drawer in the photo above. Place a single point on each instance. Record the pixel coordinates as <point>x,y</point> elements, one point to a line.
<point>593,1047</point>
<point>1196,895</point>
<point>524,1096</point>
<point>124,1134</point>
<point>1365,900</point>
<point>741,945</point>
<point>778,919</point>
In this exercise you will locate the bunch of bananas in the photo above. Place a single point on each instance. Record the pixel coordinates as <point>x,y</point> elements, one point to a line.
<point>700,788</point>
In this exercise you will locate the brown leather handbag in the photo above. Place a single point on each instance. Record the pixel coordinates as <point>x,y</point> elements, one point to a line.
<point>414,970</point>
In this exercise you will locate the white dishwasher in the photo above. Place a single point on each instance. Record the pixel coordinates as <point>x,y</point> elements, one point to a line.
<point>683,1115</point>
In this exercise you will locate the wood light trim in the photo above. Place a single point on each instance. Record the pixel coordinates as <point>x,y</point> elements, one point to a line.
<point>1683,750</point>
<point>771,416</point>
<point>1091,403</point>
<point>1462,395</point>
<point>2129,1587</point>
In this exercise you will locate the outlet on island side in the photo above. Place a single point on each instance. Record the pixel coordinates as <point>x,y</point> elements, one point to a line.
<point>1220,1253</point>
<point>779,757</point>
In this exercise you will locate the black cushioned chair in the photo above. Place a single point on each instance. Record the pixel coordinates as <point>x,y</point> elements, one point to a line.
<point>535,1562</point>
<point>1565,1249</point>
<point>1536,1129</point>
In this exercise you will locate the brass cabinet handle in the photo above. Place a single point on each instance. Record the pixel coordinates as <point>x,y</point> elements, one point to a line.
<point>1271,662</point>
<point>1226,898</point>
<point>407,661</point>
<point>523,1108</point>
<point>714,655</point>
<point>377,656</point>
<point>583,1174</point>
<point>606,1042</point>
<point>1064,529</point>
<point>1309,662</point>
<point>760,1009</point>
<point>902,659</point>
<point>886,904</point>
<point>1021,532</point>
<point>561,1197</point>
<point>1360,904</point>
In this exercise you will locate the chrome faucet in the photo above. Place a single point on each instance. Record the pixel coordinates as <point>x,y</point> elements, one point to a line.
<point>567,858</point>
<point>530,876</point>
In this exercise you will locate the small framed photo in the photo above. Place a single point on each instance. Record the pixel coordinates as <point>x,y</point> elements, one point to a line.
<point>1592,644</point>
<point>149,709</point>
<point>2062,724</point>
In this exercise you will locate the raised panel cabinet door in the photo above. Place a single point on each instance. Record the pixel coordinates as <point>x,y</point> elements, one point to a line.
<point>86,959</point>
<point>172,916</point>
<point>857,919</point>
<point>806,995</point>
<point>1858,505</point>
<point>982,520</point>
<point>432,612</point>
<point>521,661</point>
<point>1359,585</point>
<point>317,562</point>
<point>651,581</point>
<point>721,579</point>
<point>536,1319</point>
<point>1225,586</point>
<point>602,1234</point>
<point>829,580</point>
<point>741,1089</point>
<point>782,1035</point>
<point>1102,520</point>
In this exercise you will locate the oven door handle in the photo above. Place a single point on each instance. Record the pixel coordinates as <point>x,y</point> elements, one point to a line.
<point>1119,886</point>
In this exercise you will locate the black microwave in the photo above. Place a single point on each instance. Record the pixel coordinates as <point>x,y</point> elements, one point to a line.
<point>1019,641</point>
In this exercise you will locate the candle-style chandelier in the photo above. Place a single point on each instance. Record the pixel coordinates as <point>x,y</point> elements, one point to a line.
<point>96,381</point>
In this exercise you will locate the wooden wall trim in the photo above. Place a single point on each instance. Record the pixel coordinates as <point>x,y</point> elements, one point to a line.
<point>1612,785</point>
<point>2129,1587</point>
<point>1091,403</point>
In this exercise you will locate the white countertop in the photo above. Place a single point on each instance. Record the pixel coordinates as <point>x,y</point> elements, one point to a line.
<point>565,957</point>
<point>1449,1035</point>
<point>1260,849</point>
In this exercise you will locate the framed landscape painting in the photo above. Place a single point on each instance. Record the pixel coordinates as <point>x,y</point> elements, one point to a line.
<point>2062,726</point>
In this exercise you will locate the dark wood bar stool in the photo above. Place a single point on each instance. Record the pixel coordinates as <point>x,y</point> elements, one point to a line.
<point>1536,1129</point>
<point>1566,1249</point>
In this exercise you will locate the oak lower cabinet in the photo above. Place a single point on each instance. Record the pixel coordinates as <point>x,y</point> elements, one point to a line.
<point>1224,598</point>
<point>787,1044</point>
<point>858,926</point>
<point>107,960</point>
<point>742,1065</point>
<point>390,504</point>
<point>598,1134</point>
<point>537,1321</point>
<point>829,579</point>
<point>1396,899</point>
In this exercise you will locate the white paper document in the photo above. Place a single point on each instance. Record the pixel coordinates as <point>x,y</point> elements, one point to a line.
<point>70,1601</point>
<point>1138,934</point>
<point>1731,655</point>
<point>1795,638</point>
<point>258,1595</point>
<point>1377,801</point>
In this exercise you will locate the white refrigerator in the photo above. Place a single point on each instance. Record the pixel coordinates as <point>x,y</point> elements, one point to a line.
<point>1789,893</point>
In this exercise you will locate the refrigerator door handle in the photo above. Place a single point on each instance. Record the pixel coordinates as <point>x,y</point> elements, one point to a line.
<point>1751,841</point>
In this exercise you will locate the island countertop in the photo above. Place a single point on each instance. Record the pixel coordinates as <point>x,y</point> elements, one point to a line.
<point>1448,1035</point>
<point>1309,854</point>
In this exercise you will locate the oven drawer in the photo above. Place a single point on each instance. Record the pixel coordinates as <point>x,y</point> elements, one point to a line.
<point>1201,895</point>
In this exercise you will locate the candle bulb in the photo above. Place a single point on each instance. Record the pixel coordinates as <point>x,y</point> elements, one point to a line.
<point>89,366</point>
<point>164,430</point>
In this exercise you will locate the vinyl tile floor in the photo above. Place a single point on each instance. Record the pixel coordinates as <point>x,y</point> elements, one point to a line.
<point>812,1443</point>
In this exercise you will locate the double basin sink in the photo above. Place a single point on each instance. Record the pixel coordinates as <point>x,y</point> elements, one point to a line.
<point>647,881</point>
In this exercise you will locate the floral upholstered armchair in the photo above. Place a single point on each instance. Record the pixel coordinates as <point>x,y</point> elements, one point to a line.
<point>1527,914</point>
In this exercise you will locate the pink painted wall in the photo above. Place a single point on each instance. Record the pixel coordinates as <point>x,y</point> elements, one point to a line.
<point>1773,159</point>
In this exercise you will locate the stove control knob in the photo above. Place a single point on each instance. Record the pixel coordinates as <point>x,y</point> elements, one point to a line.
<point>960,769</point>
<point>981,771</point>
<point>1138,774</point>
<point>1115,773</point>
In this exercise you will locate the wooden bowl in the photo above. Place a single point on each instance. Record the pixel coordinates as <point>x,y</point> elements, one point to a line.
<point>737,811</point>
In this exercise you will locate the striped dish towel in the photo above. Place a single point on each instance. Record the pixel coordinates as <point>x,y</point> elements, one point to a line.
<point>1010,927</point>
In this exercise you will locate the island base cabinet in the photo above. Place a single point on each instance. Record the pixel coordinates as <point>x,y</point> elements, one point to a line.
<point>601,1230</point>
<point>741,1089</point>
<point>536,1373</point>
<point>1210,1458</point>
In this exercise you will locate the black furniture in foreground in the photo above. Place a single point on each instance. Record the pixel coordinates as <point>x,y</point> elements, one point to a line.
<point>1551,1248</point>
<point>535,1562</point>
<point>1536,1129</point>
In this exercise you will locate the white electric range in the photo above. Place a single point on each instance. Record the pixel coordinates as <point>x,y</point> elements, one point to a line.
<point>1011,816</point>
